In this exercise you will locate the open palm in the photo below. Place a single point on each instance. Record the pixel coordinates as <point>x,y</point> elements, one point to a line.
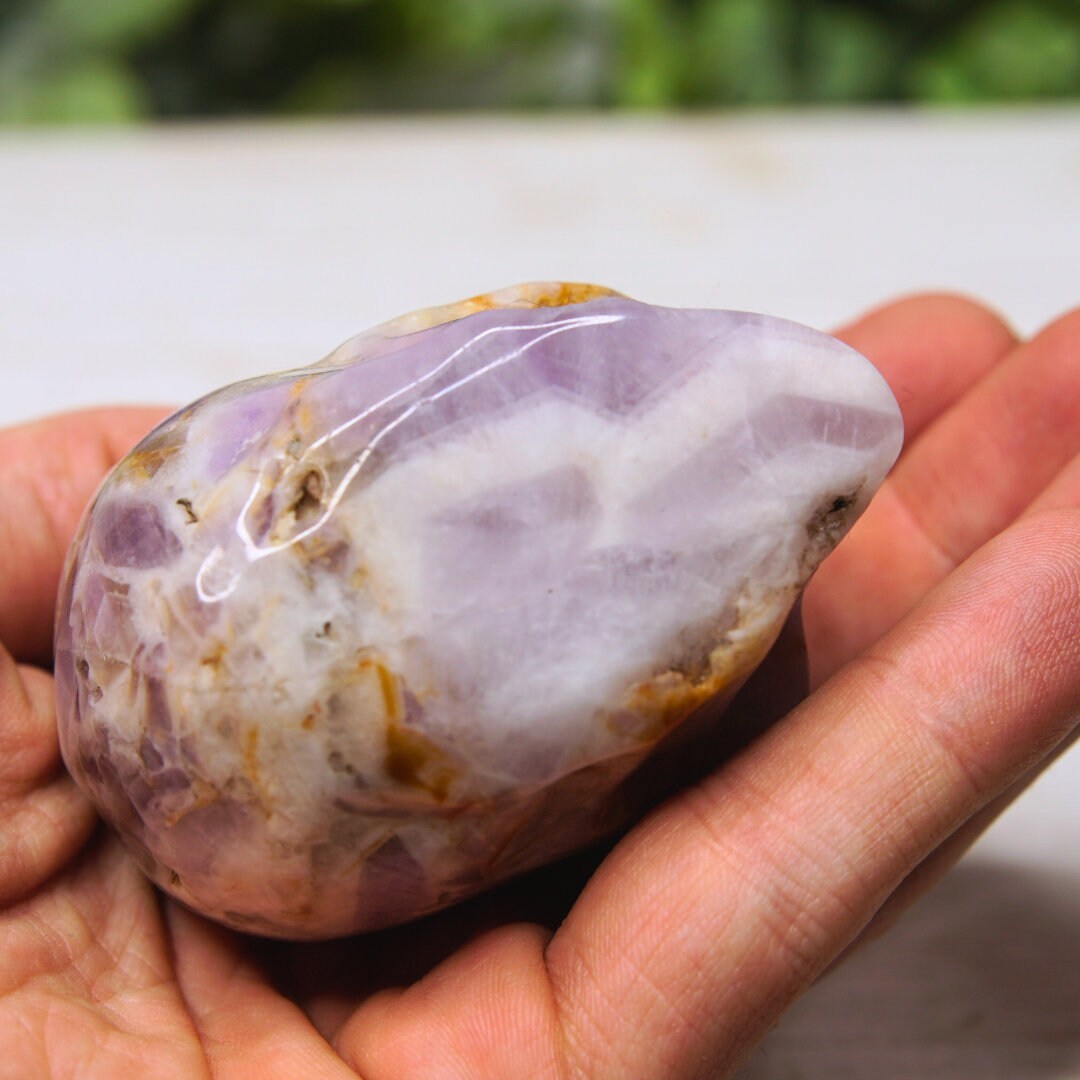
<point>944,646</point>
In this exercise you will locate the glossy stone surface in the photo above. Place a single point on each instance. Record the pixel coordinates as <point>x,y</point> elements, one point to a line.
<point>341,646</point>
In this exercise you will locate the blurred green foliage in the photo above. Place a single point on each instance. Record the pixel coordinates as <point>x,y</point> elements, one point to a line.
<point>120,60</point>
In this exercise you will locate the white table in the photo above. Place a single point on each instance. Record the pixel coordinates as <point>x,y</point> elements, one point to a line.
<point>155,265</point>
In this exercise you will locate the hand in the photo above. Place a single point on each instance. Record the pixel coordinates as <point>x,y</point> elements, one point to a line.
<point>945,650</point>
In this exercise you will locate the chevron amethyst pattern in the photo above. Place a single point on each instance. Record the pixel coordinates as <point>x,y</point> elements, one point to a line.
<point>340,646</point>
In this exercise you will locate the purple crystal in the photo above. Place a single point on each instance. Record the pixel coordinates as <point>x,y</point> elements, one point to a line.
<point>131,534</point>
<point>341,646</point>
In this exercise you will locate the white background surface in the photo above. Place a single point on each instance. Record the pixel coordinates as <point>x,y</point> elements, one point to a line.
<point>157,265</point>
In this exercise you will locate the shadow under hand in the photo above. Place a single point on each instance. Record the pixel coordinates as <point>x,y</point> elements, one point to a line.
<point>981,979</point>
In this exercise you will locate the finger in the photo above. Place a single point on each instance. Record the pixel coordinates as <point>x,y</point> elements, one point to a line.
<point>932,349</point>
<point>485,1012</point>
<point>44,820</point>
<point>725,904</point>
<point>1062,491</point>
<point>49,469</point>
<point>969,475</point>
<point>29,750</point>
<point>933,868</point>
<point>982,465</point>
<point>245,1026</point>
<point>39,835</point>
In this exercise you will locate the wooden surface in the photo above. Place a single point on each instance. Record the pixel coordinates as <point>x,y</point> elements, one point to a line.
<point>155,265</point>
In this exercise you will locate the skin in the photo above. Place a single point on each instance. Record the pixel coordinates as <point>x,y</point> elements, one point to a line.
<point>944,648</point>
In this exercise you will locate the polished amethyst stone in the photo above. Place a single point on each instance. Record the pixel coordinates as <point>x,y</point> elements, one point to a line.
<point>341,646</point>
